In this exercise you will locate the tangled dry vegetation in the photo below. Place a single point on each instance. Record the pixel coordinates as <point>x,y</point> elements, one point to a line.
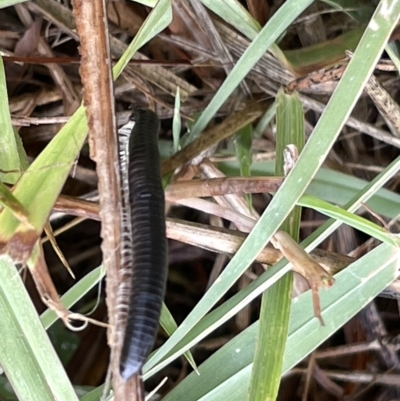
<point>195,53</point>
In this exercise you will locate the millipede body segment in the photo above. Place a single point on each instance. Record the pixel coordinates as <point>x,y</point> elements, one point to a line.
<point>144,259</point>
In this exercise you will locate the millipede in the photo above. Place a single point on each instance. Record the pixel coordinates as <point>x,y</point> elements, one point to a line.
<point>143,244</point>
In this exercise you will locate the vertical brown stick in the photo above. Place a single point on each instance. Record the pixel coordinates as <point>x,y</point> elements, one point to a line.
<point>91,23</point>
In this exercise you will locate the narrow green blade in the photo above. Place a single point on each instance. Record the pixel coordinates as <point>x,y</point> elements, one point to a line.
<point>275,304</point>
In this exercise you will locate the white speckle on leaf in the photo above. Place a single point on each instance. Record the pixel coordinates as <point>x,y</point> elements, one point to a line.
<point>385,9</point>
<point>237,350</point>
<point>373,25</point>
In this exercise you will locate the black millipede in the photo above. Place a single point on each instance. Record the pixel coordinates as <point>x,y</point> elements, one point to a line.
<point>144,244</point>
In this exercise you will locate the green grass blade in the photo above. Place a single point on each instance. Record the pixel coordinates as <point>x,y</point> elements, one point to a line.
<point>275,304</point>
<point>8,200</point>
<point>314,57</point>
<point>353,204</point>
<point>331,186</point>
<point>25,350</point>
<point>148,3</point>
<point>261,43</point>
<point>8,3</point>
<point>74,294</point>
<point>236,15</point>
<point>168,323</point>
<point>95,395</point>
<point>38,188</point>
<point>9,157</point>
<point>391,50</point>
<point>158,19</point>
<point>243,149</point>
<point>359,11</point>
<point>176,122</point>
<point>243,143</point>
<point>271,340</point>
<point>339,188</point>
<point>188,136</point>
<point>290,131</point>
<point>349,218</point>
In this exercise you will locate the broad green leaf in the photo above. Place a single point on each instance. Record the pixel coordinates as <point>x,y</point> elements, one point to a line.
<point>39,186</point>
<point>26,353</point>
